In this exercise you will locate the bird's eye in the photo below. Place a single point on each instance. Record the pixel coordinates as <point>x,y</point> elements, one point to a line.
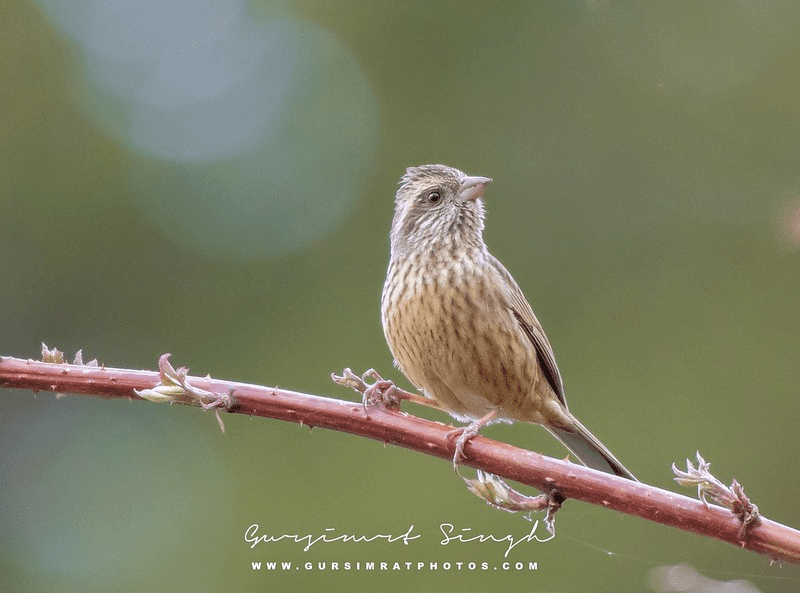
<point>433,197</point>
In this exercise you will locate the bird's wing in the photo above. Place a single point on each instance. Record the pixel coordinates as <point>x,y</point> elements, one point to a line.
<point>522,312</point>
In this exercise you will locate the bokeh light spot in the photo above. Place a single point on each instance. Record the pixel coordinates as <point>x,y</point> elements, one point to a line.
<point>250,138</point>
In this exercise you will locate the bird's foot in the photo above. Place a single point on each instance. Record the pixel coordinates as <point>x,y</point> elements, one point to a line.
<point>464,434</point>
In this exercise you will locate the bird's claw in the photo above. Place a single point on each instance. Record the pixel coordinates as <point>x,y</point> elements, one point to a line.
<point>463,434</point>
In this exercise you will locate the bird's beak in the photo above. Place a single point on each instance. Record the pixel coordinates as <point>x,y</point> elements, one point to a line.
<point>472,188</point>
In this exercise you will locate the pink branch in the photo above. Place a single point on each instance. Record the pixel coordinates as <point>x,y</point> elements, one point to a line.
<point>763,536</point>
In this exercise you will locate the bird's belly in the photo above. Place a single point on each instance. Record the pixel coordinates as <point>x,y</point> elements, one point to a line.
<point>464,350</point>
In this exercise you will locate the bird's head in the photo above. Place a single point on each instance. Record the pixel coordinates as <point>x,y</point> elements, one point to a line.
<point>437,207</point>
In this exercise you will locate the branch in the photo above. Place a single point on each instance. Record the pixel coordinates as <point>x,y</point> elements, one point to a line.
<point>387,425</point>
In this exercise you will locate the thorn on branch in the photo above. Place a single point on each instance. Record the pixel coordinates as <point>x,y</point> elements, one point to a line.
<point>175,388</point>
<point>55,356</point>
<point>709,487</point>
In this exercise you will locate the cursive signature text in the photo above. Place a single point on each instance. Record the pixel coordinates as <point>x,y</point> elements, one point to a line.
<point>465,536</point>
<point>252,537</point>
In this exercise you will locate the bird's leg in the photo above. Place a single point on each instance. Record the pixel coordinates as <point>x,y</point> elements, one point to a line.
<point>465,433</point>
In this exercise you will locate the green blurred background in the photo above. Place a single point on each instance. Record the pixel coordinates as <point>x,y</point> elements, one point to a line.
<point>215,180</point>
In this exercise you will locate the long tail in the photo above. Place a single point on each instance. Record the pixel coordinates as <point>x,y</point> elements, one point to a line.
<point>589,450</point>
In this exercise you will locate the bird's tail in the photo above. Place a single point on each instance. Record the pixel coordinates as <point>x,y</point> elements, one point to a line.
<point>589,450</point>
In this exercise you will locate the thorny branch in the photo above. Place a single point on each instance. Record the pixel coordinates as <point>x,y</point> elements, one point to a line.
<point>739,523</point>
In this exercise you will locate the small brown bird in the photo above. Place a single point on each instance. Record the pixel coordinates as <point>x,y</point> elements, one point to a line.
<point>458,325</point>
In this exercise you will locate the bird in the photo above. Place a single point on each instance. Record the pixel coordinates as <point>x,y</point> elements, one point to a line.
<point>458,325</point>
